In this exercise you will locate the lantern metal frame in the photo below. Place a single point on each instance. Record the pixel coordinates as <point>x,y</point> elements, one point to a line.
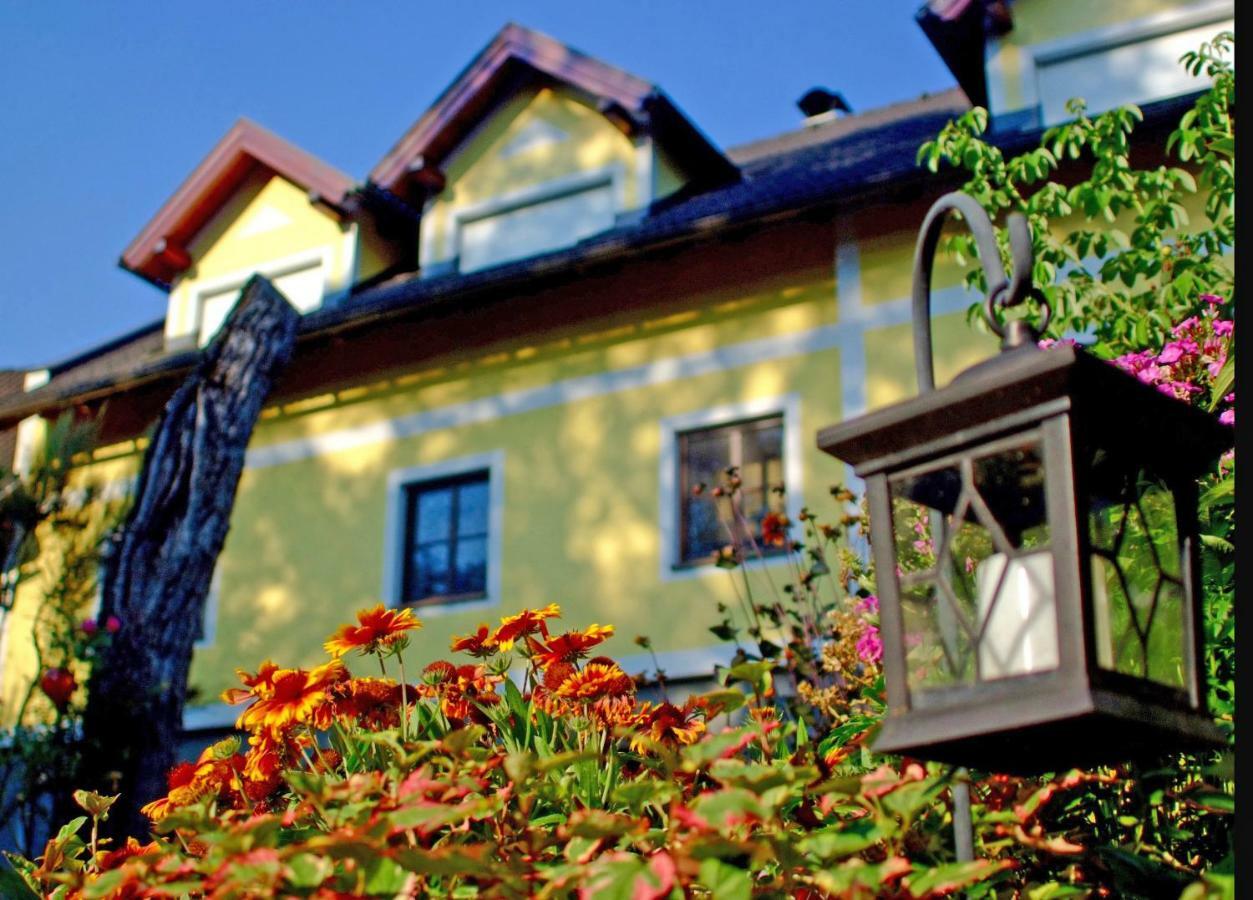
<point>1072,404</point>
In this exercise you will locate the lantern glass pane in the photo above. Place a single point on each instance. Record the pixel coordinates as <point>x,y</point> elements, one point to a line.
<point>975,568</point>
<point>1138,593</point>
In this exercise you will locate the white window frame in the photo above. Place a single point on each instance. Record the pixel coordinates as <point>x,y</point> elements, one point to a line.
<point>210,626</point>
<point>394,550</point>
<point>673,568</point>
<point>611,176</point>
<point>1101,40</point>
<point>305,259</point>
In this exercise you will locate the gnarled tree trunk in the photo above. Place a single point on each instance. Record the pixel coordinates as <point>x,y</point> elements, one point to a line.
<point>158,570</point>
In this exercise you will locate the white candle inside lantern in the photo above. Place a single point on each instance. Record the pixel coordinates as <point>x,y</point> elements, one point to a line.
<point>1020,635</point>
<point>1100,609</point>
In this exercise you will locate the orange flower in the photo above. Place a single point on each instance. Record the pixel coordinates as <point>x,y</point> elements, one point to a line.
<point>568,647</point>
<point>774,529</point>
<point>439,671</point>
<point>378,629</point>
<point>526,622</point>
<point>297,697</point>
<point>372,702</point>
<point>669,724</point>
<point>111,859</point>
<point>460,691</point>
<point>480,643</point>
<point>609,712</point>
<point>182,790</point>
<point>597,679</point>
<point>259,685</point>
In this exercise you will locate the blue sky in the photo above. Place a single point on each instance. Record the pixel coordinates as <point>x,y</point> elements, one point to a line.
<point>106,107</point>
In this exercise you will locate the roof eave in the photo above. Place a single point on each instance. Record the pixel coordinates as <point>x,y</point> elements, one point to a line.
<point>960,41</point>
<point>158,253</point>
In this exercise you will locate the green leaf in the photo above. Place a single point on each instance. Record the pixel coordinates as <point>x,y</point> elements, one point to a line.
<point>308,870</point>
<point>756,674</point>
<point>69,829</point>
<point>840,841</point>
<point>953,877</point>
<point>725,881</point>
<point>14,885</point>
<point>724,631</point>
<point>1221,544</point>
<point>1223,381</point>
<point>384,876</point>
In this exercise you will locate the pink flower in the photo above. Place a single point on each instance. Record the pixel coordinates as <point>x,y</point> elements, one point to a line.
<point>1213,299</point>
<point>1227,417</point>
<point>89,627</point>
<point>1185,326</point>
<point>112,624</point>
<point>1224,327</point>
<point>1175,351</point>
<point>1045,343</point>
<point>870,645</point>
<point>868,604</point>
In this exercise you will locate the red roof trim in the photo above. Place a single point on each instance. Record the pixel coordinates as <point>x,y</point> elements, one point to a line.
<point>158,253</point>
<point>458,107</point>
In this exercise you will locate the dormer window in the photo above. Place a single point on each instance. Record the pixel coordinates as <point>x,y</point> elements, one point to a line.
<point>544,218</point>
<point>301,280</point>
<point>537,147</point>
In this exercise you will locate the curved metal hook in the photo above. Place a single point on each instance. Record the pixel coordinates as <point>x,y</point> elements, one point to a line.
<point>1002,291</point>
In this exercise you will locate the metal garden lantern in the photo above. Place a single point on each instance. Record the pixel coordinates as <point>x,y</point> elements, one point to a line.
<point>1034,529</point>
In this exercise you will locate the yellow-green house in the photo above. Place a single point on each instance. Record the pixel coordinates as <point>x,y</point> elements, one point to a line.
<point>552,308</point>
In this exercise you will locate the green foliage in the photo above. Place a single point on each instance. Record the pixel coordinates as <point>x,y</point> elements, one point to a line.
<point>1116,253</point>
<point>49,543</point>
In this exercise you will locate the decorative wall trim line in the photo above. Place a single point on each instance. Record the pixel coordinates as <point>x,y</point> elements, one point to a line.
<point>210,717</point>
<point>584,387</point>
<point>677,664</point>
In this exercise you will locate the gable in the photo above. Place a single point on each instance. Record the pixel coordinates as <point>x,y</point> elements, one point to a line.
<point>269,226</point>
<point>543,171</point>
<point>1108,54</point>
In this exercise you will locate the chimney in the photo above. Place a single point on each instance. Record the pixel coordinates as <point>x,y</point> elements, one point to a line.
<point>821,105</point>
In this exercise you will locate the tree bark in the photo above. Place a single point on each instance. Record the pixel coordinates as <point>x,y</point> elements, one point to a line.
<point>157,571</point>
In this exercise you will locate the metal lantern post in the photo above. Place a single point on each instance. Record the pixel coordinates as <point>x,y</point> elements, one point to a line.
<point>1034,530</point>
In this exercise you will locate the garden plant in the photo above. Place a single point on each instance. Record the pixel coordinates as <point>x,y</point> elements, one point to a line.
<point>527,764</point>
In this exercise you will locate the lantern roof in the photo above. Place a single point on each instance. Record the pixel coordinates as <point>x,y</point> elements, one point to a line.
<point>1020,387</point>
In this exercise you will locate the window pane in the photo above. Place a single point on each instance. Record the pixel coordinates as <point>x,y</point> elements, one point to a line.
<point>755,448</point>
<point>472,509</point>
<point>708,454</point>
<point>434,513</point>
<point>433,575</point>
<point>705,533</point>
<point>447,534</point>
<point>470,576</point>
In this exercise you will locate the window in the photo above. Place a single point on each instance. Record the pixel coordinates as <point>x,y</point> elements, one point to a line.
<point>302,286</point>
<point>446,539</point>
<point>442,540</point>
<point>755,448</point>
<point>535,228</point>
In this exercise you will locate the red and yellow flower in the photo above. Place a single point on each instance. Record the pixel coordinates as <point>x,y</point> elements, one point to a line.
<point>295,696</point>
<point>529,621</point>
<point>568,647</point>
<point>774,529</point>
<point>669,724</point>
<point>599,678</point>
<point>376,631</point>
<point>480,643</point>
